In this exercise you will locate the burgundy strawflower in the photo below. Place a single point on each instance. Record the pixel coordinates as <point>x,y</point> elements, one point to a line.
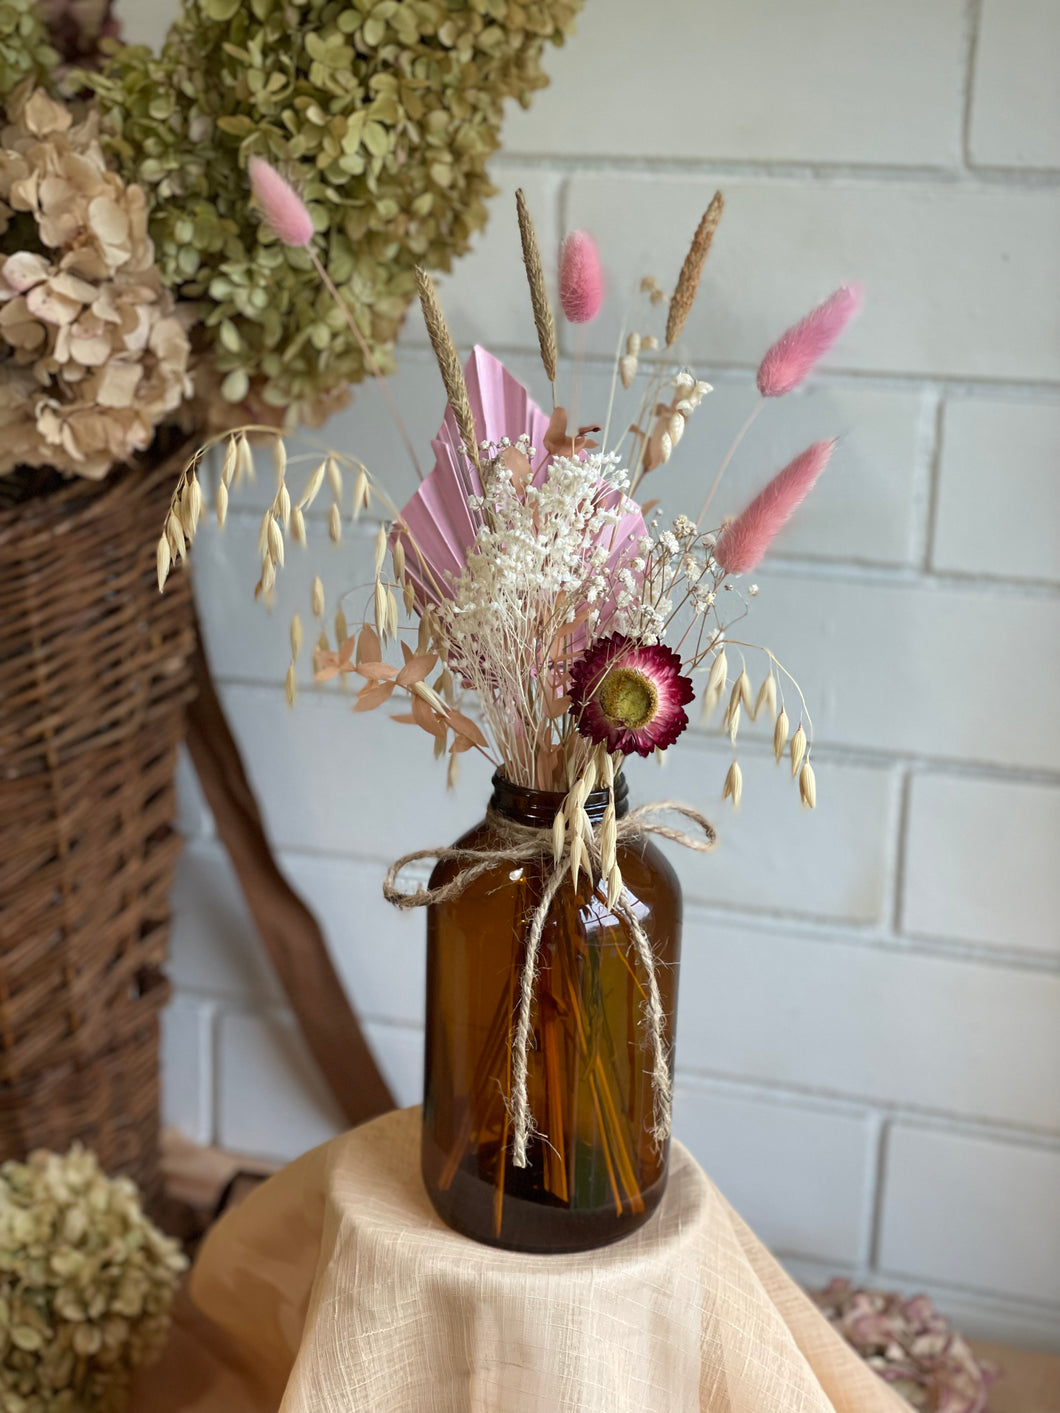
<point>793,355</point>
<point>629,695</point>
<point>744,541</point>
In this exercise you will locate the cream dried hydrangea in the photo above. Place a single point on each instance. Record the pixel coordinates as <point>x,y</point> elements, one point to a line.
<point>86,1285</point>
<point>92,356</point>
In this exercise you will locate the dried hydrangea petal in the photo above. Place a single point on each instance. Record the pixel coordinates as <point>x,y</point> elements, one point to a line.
<point>85,314</point>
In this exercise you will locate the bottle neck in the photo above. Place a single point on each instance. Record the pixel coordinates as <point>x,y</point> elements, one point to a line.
<point>537,808</point>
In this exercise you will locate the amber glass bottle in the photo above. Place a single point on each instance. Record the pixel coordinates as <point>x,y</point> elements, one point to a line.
<point>594,1171</point>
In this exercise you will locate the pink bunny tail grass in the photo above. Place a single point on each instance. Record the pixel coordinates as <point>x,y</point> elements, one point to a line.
<point>581,285</point>
<point>744,541</point>
<point>283,208</point>
<point>794,354</point>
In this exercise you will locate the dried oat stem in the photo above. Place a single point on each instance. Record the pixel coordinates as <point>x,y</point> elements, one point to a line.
<point>535,275</point>
<point>684,294</point>
<point>448,362</point>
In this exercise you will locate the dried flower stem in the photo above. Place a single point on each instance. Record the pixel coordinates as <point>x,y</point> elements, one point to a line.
<point>369,360</point>
<point>727,458</point>
<point>684,294</point>
<point>535,274</point>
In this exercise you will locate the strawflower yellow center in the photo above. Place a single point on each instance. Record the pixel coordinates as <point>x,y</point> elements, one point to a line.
<point>627,696</point>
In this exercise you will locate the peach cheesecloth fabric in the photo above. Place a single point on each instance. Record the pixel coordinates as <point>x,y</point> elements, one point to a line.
<point>334,1288</point>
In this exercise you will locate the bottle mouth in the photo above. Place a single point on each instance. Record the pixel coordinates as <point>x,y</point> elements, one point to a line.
<point>538,807</point>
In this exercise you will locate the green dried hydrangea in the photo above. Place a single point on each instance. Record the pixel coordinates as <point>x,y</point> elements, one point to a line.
<point>86,1284</point>
<point>383,111</point>
<point>24,48</point>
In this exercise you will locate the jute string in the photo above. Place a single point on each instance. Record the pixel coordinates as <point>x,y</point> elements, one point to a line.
<point>518,844</point>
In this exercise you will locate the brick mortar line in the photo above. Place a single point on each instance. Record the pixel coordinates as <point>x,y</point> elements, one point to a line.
<point>944,384</point>
<point>901,845</point>
<point>842,754</point>
<point>873,1216</point>
<point>956,175</point>
<point>973,16</point>
<point>790,924</point>
<point>986,1299</point>
<point>919,1116</point>
<point>806,566</point>
<point>821,1098</point>
<point>948,384</point>
<point>933,486</point>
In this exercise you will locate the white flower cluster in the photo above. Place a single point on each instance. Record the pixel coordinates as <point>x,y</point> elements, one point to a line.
<point>670,564</point>
<point>541,556</point>
<point>535,543</point>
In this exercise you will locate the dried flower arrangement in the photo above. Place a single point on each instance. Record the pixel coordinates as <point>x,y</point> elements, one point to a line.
<point>86,1285</point>
<point>910,1345</point>
<point>535,585</point>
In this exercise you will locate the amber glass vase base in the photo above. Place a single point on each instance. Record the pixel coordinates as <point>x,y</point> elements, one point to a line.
<point>527,1222</point>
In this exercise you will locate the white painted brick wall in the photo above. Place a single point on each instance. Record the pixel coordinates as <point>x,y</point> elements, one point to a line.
<point>869,1043</point>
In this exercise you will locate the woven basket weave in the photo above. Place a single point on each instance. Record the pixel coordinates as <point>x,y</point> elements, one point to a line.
<point>93,684</point>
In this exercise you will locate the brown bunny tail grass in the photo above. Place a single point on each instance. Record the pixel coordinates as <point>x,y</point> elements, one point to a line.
<point>535,274</point>
<point>684,294</point>
<point>448,362</point>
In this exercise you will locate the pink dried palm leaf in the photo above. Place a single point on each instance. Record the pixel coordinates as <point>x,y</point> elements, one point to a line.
<point>438,527</point>
<point>744,541</point>
<point>795,353</point>
<point>581,282</point>
<point>282,207</point>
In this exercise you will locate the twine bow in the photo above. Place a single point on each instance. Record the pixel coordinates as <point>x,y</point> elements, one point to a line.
<point>522,844</point>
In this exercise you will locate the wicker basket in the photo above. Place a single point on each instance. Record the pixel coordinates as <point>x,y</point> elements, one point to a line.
<point>93,684</point>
